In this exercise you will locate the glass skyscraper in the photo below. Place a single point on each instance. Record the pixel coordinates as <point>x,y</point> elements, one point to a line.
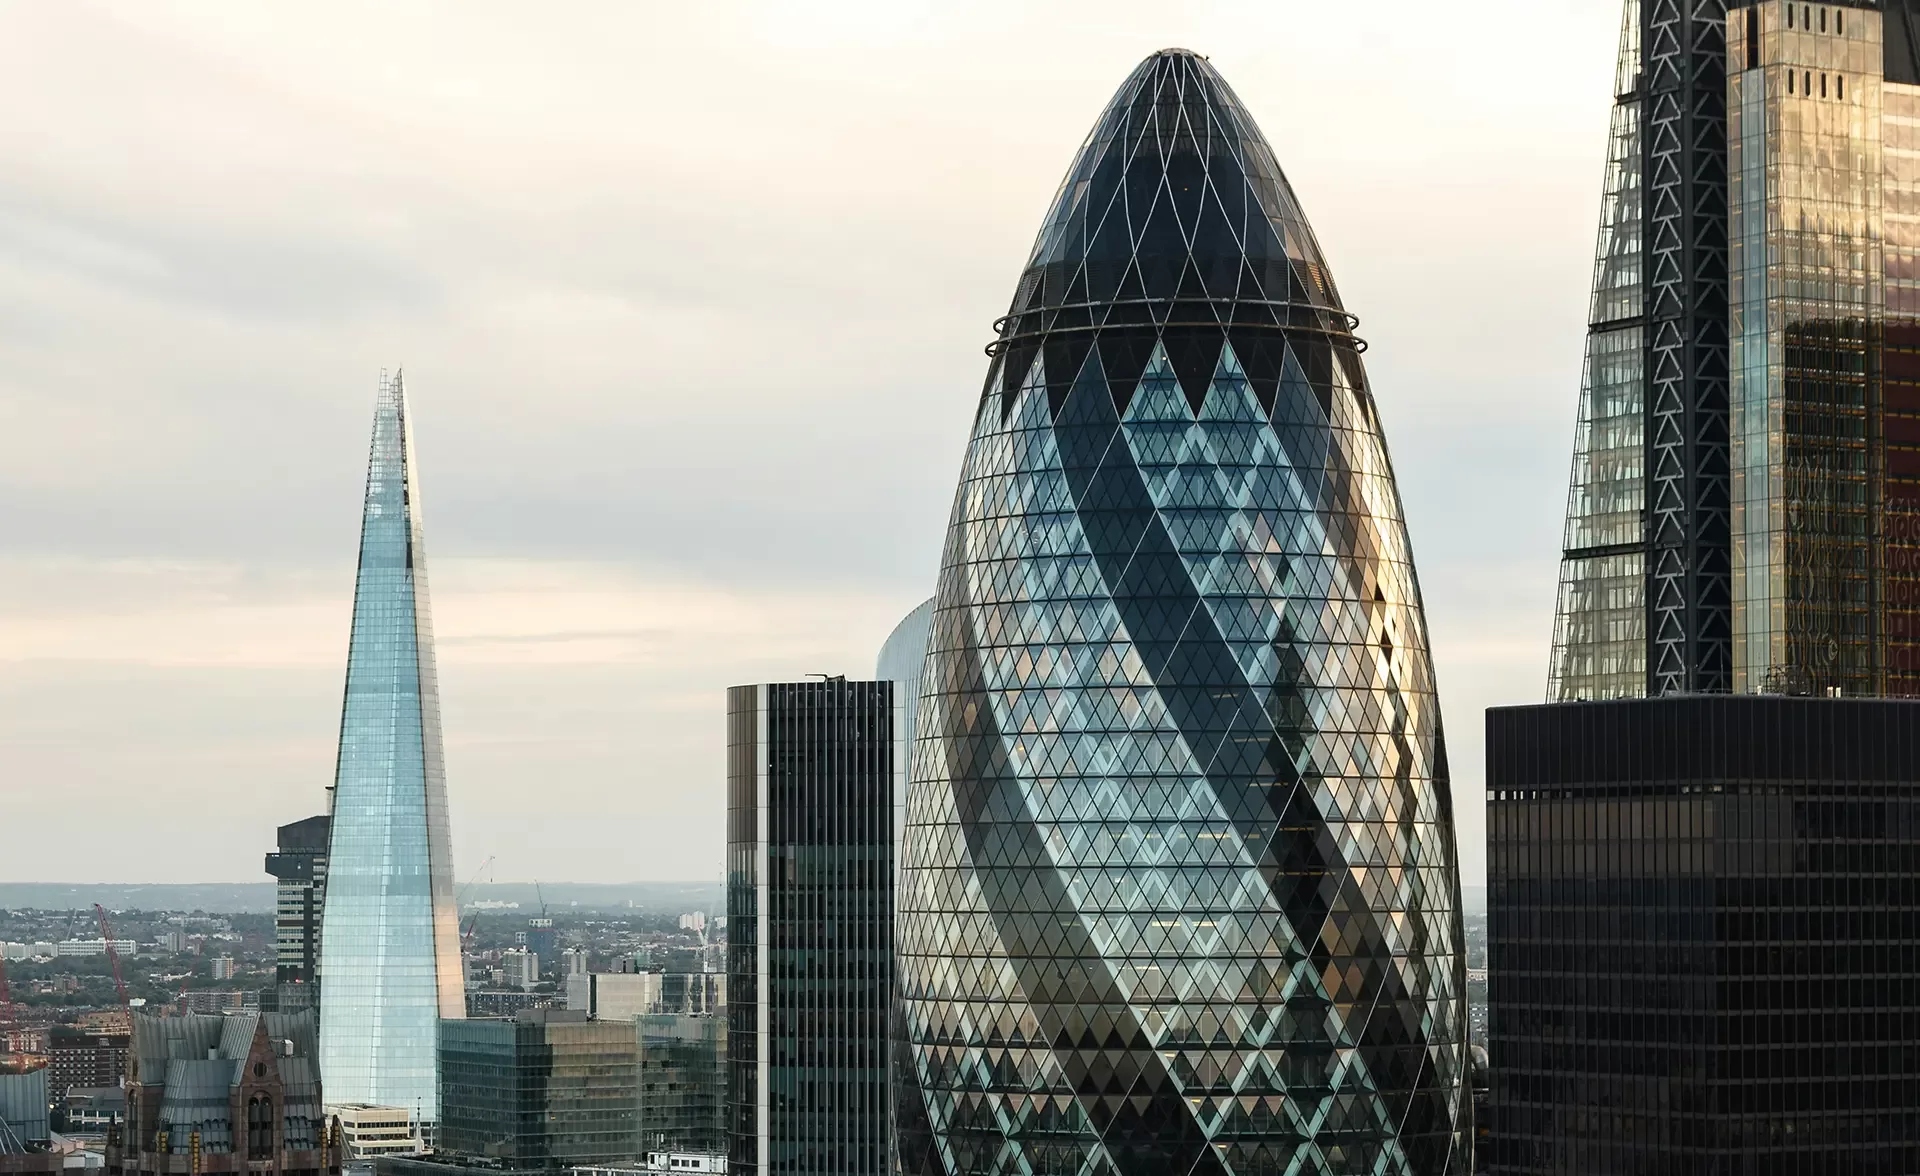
<point>1179,890</point>
<point>811,776</point>
<point>390,943</point>
<point>1746,477</point>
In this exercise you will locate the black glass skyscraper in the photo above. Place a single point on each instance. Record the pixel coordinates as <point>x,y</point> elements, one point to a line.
<point>811,777</point>
<point>1703,937</point>
<point>1178,889</point>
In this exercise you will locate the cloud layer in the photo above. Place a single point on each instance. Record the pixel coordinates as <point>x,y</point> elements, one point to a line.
<point>690,300</point>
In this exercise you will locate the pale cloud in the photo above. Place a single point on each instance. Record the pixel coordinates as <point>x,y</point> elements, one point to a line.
<point>691,301</point>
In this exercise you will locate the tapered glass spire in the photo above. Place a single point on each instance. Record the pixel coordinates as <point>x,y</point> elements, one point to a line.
<point>390,951</point>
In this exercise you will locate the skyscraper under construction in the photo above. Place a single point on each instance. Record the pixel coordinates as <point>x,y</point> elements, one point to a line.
<point>1744,513</point>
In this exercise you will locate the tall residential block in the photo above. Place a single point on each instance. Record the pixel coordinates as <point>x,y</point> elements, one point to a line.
<point>1702,935</point>
<point>811,777</point>
<point>300,868</point>
<point>389,936</point>
<point>1178,889</point>
<point>1746,473</point>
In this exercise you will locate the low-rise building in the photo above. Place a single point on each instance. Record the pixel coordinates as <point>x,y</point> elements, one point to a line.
<point>232,1094</point>
<point>369,1132</point>
<point>26,1133</point>
<point>92,947</point>
<point>94,1109</point>
<point>550,1089</point>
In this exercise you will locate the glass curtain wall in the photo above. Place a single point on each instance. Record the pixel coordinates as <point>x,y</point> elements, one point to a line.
<point>1808,301</point>
<point>390,952</point>
<point>1178,889</point>
<point>1600,622</point>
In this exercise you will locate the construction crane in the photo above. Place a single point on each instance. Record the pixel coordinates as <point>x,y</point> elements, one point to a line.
<point>6,1004</point>
<point>466,939</point>
<point>113,957</point>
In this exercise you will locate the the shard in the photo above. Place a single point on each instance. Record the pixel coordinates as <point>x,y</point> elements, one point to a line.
<point>390,952</point>
<point>1179,890</point>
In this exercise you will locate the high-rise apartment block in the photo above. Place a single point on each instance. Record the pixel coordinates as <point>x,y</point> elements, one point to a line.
<point>550,1089</point>
<point>389,935</point>
<point>1746,475</point>
<point>1702,936</point>
<point>300,868</point>
<point>811,777</point>
<point>78,1057</point>
<point>1178,889</point>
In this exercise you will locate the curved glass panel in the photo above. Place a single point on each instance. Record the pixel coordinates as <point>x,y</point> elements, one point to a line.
<point>1178,889</point>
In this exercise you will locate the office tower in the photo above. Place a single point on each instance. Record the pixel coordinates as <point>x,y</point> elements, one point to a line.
<point>1747,466</point>
<point>549,1089</point>
<point>239,1093</point>
<point>389,936</point>
<point>683,1082</point>
<point>300,867</point>
<point>1701,936</point>
<point>811,776</point>
<point>1178,889</point>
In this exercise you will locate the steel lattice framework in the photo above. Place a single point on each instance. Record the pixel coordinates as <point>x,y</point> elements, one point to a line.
<point>1689,581</point>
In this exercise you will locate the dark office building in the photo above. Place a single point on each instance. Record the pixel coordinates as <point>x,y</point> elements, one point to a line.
<point>811,778</point>
<point>1702,936</point>
<point>550,1089</point>
<point>300,867</point>
<point>683,1090</point>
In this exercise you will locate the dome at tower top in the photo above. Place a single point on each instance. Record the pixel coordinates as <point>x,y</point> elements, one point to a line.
<point>1175,202</point>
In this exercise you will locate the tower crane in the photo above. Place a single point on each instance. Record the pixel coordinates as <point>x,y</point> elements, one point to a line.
<point>6,999</point>
<point>113,957</point>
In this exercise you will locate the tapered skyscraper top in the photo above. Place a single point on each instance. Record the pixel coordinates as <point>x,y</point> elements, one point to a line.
<point>390,952</point>
<point>1178,890</point>
<point>1176,216</point>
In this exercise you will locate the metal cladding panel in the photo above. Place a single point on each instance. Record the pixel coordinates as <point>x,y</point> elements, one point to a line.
<point>389,952</point>
<point>1684,145</point>
<point>1178,890</point>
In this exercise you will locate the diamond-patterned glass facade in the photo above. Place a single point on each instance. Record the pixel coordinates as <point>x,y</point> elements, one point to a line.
<point>1178,888</point>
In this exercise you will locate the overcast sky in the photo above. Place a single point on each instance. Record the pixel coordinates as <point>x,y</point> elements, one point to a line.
<point>690,300</point>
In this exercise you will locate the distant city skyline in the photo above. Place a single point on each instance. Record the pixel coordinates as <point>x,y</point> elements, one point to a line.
<point>588,305</point>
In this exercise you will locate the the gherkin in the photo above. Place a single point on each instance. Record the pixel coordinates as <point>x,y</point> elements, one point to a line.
<point>1179,890</point>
